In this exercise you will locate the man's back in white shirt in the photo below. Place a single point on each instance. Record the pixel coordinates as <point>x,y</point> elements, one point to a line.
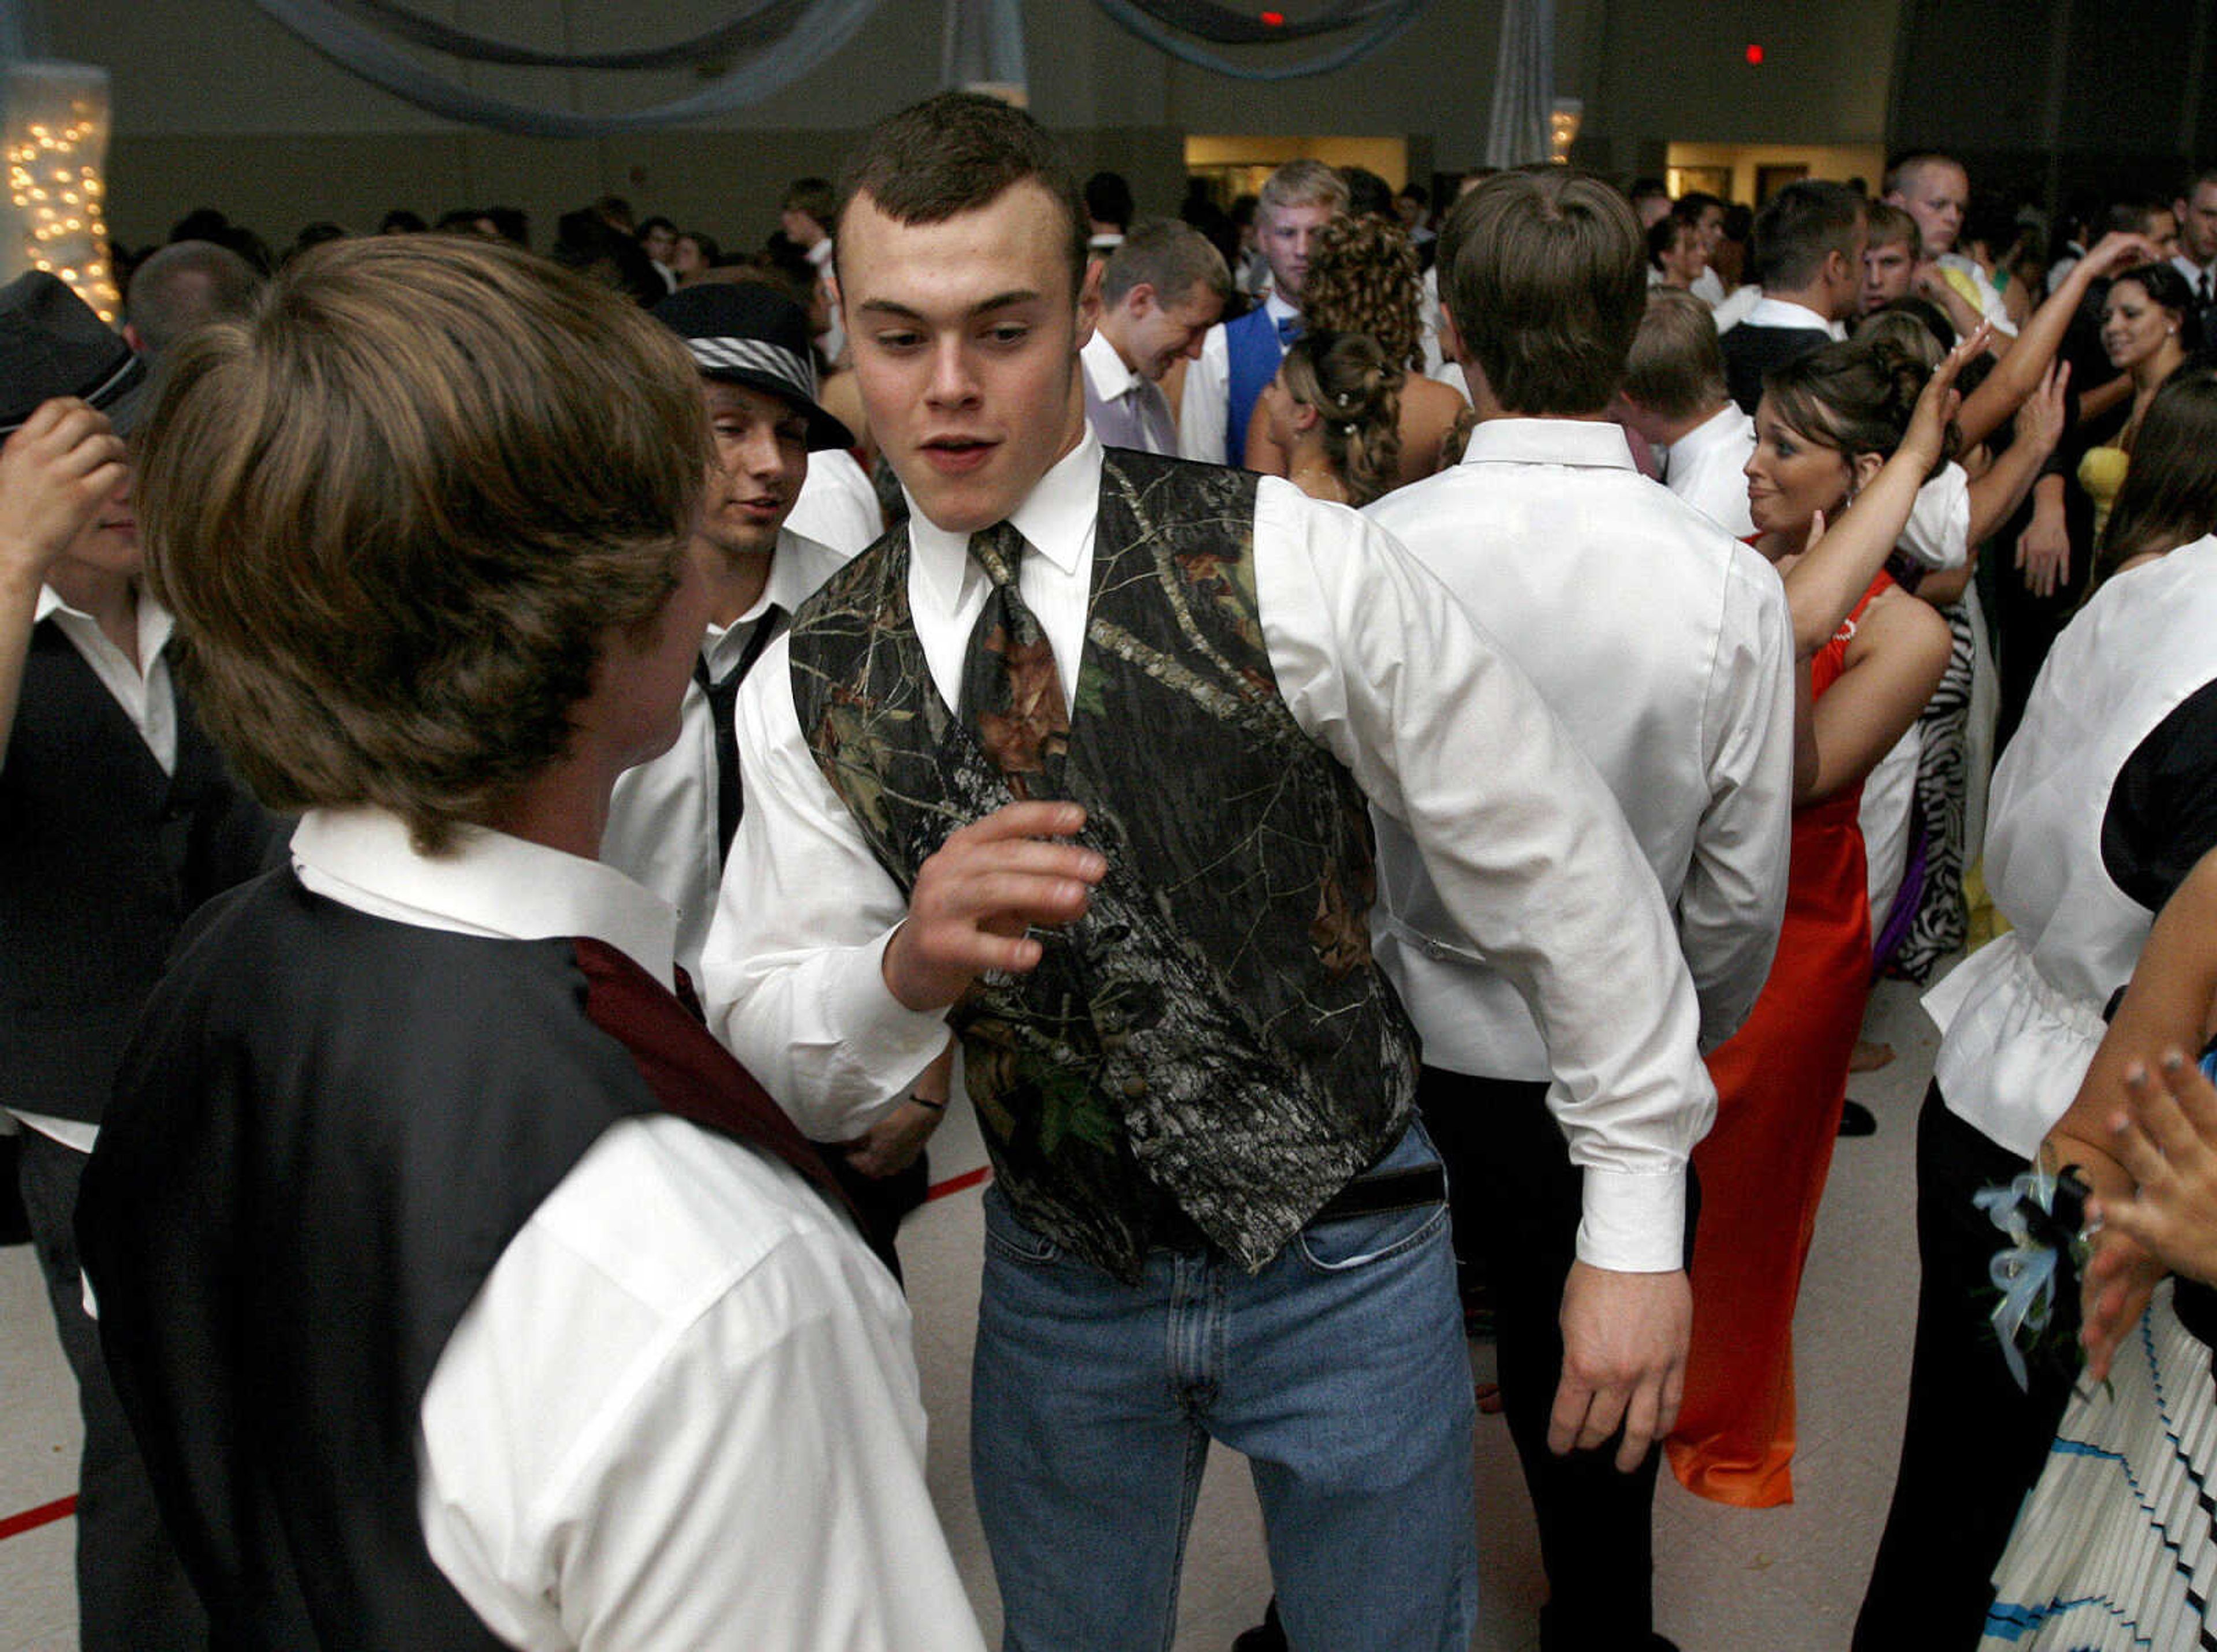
<point>1665,648</point>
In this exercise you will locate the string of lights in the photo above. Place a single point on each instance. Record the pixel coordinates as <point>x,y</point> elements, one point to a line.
<point>56,140</point>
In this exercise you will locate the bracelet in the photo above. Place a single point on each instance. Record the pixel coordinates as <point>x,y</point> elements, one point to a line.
<point>935,1107</point>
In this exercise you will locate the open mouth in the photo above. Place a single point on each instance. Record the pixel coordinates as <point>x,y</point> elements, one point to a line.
<point>954,454</point>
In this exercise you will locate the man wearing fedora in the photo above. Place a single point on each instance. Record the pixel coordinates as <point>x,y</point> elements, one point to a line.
<point>118,817</point>
<point>671,820</point>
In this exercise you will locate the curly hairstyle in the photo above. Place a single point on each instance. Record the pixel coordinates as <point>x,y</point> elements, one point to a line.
<point>1363,277</point>
<point>397,510</point>
<point>1855,397</point>
<point>1357,392</point>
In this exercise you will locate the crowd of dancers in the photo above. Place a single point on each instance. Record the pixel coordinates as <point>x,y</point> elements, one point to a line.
<point>1381,755</point>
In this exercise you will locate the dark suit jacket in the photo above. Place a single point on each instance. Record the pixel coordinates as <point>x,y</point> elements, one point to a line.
<point>1751,351</point>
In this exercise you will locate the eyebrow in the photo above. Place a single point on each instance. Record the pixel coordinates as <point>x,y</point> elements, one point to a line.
<point>983,306</point>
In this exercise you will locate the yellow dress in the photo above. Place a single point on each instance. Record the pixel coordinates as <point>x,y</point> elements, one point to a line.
<point>2102,473</point>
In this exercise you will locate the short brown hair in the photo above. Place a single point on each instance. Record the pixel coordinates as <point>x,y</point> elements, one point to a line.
<point>1892,226</point>
<point>1167,255</point>
<point>1545,273</point>
<point>956,152</point>
<point>1364,276</point>
<point>396,507</point>
<point>1676,367</point>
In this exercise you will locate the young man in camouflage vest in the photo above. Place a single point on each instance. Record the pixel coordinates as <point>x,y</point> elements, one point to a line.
<point>1078,761</point>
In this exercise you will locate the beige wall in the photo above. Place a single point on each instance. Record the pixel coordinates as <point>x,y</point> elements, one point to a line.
<point>1837,161</point>
<point>216,104</point>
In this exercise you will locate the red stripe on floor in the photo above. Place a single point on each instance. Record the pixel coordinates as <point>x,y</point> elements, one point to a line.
<point>32,1518</point>
<point>958,1184</point>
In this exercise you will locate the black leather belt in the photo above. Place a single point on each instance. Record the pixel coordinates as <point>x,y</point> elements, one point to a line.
<point>1371,1195</point>
<point>1388,1190</point>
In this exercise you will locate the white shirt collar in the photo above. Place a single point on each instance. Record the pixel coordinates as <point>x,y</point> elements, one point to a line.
<point>1713,431</point>
<point>796,568</point>
<point>1056,520</point>
<point>1549,442</point>
<point>1279,308</point>
<point>154,623</point>
<point>1784,313</point>
<point>492,884</point>
<point>1104,368</point>
<point>2193,271</point>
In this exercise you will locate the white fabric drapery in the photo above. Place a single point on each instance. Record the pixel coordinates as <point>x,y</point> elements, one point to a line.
<point>1523,85</point>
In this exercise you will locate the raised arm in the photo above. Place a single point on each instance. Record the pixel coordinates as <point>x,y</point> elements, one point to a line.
<point>2019,372</point>
<point>2040,419</point>
<point>1829,578</point>
<point>54,473</point>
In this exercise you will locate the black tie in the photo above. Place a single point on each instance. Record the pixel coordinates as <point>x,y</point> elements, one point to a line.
<point>2201,292</point>
<point>723,696</point>
<point>1011,691</point>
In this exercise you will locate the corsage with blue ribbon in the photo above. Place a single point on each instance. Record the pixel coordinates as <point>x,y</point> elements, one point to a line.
<point>2043,1212</point>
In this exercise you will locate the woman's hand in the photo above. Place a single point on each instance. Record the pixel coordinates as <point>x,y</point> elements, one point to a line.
<point>1927,436</point>
<point>2168,1140</point>
<point>2040,421</point>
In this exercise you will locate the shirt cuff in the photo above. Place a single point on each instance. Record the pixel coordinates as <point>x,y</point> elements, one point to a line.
<point>887,1043</point>
<point>1633,1222</point>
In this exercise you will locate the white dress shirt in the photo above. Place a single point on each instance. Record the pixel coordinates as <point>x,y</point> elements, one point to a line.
<point>832,341</point>
<point>1665,647</point>
<point>1708,287</point>
<point>836,505</point>
<point>1708,468</point>
<point>1768,311</point>
<point>1442,732</point>
<point>662,830</point>
<point>1734,308</point>
<point>144,691</point>
<point>1125,408</point>
<point>1204,405</point>
<point>683,1409</point>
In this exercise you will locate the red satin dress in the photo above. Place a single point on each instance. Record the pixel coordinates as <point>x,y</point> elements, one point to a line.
<point>1781,1082</point>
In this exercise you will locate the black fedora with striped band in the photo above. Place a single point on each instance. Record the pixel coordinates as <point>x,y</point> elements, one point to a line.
<point>53,344</point>
<point>742,333</point>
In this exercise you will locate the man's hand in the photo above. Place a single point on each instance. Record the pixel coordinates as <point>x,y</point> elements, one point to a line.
<point>891,1145</point>
<point>55,473</point>
<point>975,899</point>
<point>1624,1360</point>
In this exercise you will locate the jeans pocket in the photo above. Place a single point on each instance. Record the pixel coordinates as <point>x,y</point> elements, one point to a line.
<point>1349,1242</point>
<point>1006,1234</point>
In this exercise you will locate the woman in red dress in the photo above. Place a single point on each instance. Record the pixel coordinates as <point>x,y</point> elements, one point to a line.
<point>1871,654</point>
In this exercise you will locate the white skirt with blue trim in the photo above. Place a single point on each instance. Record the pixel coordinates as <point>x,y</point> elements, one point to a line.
<point>2116,1546</point>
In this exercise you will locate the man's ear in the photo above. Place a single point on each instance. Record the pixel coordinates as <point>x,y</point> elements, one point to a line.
<point>1142,301</point>
<point>1089,303</point>
<point>1450,338</point>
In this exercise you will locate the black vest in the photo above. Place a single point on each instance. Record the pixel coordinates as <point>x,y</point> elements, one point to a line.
<point>102,858</point>
<point>1212,1041</point>
<point>324,1135</point>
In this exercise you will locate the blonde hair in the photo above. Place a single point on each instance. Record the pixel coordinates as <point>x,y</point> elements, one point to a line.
<point>1363,277</point>
<point>396,507</point>
<point>1357,394</point>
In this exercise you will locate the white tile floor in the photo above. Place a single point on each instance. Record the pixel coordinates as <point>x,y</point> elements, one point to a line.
<point>1729,1580</point>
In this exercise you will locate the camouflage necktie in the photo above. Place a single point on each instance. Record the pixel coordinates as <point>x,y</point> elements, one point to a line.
<point>1011,691</point>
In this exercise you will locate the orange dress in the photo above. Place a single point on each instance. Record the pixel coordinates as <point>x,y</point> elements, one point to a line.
<point>1781,1082</point>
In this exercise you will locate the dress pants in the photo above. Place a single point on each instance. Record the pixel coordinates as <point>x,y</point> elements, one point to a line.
<point>1975,1443</point>
<point>131,1591</point>
<point>1516,1199</point>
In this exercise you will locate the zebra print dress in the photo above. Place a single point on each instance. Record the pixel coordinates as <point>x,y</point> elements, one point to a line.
<point>1940,922</point>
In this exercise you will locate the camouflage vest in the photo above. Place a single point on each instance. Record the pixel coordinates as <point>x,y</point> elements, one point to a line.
<point>1211,1039</point>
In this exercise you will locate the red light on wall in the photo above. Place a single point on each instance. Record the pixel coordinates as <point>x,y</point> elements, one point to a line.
<point>1274,20</point>
<point>1754,53</point>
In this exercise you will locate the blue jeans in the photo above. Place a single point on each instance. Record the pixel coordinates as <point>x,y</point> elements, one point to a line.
<point>1339,1370</point>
